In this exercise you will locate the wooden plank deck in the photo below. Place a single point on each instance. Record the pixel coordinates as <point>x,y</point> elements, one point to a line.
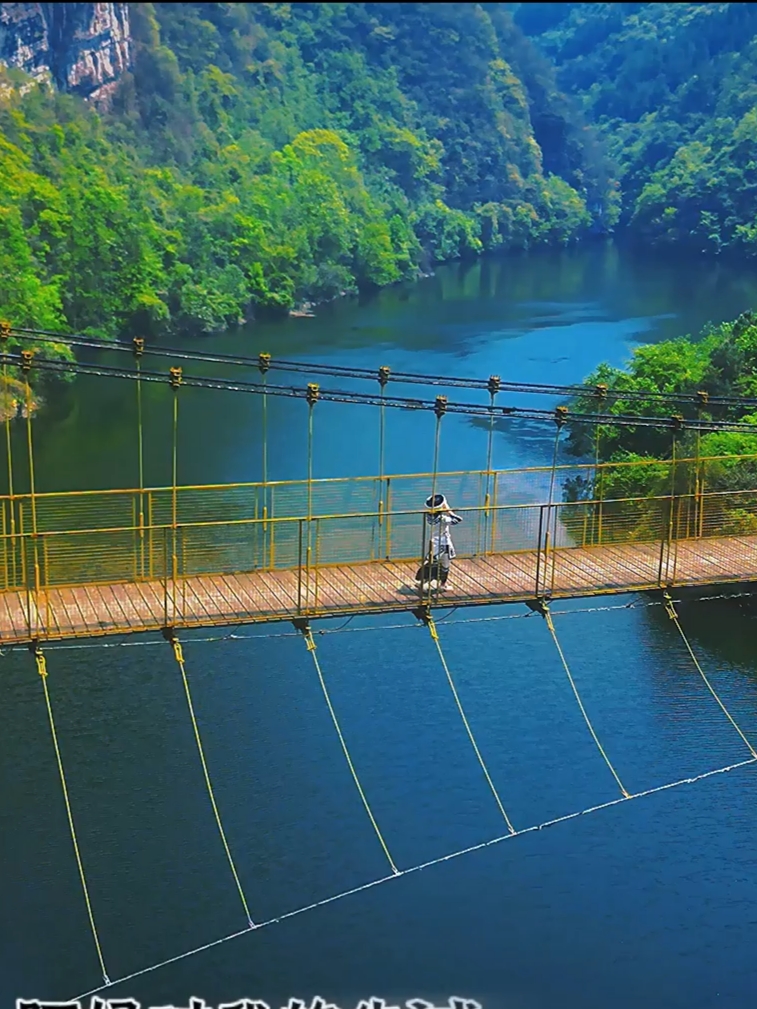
<point>379,587</point>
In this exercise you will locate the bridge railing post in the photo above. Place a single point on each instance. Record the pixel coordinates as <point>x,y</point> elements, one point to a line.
<point>299,567</point>
<point>6,565</point>
<point>539,539</point>
<point>166,617</point>
<point>44,582</point>
<point>668,510</point>
<point>387,550</point>
<point>317,562</point>
<point>700,506</point>
<point>679,505</point>
<point>182,573</point>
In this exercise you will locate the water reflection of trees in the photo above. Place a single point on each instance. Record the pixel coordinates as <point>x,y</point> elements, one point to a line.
<point>722,631</point>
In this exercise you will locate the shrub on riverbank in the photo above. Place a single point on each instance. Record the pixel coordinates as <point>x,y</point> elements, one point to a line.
<point>722,362</point>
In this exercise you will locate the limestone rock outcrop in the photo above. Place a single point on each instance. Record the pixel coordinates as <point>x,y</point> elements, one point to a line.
<point>83,48</point>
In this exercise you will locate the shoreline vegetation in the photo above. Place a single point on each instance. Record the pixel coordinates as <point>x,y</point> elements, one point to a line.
<point>258,159</point>
<point>13,399</point>
<point>722,362</point>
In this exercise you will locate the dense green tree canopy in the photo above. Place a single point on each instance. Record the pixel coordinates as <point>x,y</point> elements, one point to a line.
<point>673,90</point>
<point>722,362</point>
<point>259,155</point>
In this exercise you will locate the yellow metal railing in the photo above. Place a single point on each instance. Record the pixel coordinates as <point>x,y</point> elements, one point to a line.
<point>100,509</point>
<point>96,541</point>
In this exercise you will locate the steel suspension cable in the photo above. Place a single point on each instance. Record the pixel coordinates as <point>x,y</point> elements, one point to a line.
<point>176,380</point>
<point>33,633</point>
<point>598,488</point>
<point>420,867</point>
<point>671,611</point>
<point>383,378</point>
<point>39,658</point>
<point>548,618</point>
<point>10,573</point>
<point>264,363</point>
<point>312,399</point>
<point>494,385</point>
<point>138,351</point>
<point>179,656</point>
<point>395,402</point>
<point>313,368</point>
<point>429,621</point>
<point>427,550</point>
<point>311,647</point>
<point>549,536</point>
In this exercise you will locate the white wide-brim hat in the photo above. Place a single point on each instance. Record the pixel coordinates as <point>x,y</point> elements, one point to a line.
<point>436,502</point>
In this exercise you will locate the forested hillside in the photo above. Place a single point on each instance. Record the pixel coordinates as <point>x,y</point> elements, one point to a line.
<point>673,90</point>
<point>258,155</point>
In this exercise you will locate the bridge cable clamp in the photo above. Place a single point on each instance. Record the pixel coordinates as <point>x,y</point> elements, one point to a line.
<point>39,658</point>
<point>302,624</point>
<point>669,608</point>
<point>169,633</point>
<point>539,605</point>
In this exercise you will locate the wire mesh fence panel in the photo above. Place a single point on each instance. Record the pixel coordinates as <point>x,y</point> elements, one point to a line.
<point>634,537</point>
<point>234,503</point>
<point>406,536</point>
<point>343,540</point>
<point>90,557</point>
<point>220,548</point>
<point>11,548</point>
<point>284,543</point>
<point>510,529</point>
<point>82,510</point>
<point>462,490</point>
<point>728,513</point>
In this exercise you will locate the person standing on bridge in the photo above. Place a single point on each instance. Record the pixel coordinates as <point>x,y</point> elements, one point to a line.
<point>441,550</point>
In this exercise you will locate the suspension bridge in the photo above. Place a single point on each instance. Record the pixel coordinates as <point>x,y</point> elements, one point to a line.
<point>92,563</point>
<point>95,563</point>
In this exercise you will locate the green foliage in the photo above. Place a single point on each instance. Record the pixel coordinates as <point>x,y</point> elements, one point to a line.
<point>672,90</point>
<point>721,363</point>
<point>263,154</point>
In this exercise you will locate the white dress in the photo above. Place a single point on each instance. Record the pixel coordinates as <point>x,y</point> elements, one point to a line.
<point>440,532</point>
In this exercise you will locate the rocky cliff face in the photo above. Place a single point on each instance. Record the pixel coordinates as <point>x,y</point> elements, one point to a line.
<point>79,47</point>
